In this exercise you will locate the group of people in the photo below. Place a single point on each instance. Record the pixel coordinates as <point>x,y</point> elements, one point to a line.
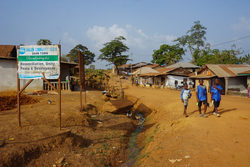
<point>134,81</point>
<point>201,97</point>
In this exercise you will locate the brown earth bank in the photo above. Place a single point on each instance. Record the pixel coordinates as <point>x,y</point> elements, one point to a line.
<point>8,100</point>
<point>90,138</point>
<point>174,140</point>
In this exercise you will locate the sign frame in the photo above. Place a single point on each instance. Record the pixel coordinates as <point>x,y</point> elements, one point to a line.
<point>33,60</point>
<point>43,77</point>
<point>82,83</point>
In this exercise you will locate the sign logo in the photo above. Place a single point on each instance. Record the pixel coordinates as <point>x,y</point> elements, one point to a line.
<point>21,50</point>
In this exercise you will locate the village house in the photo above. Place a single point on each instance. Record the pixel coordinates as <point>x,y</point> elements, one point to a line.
<point>175,77</point>
<point>127,69</point>
<point>186,66</point>
<point>233,77</point>
<point>172,76</point>
<point>8,71</point>
<point>143,79</point>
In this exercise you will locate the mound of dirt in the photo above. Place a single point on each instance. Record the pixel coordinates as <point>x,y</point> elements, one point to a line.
<point>8,100</point>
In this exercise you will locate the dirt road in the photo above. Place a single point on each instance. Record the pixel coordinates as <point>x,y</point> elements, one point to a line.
<point>173,140</point>
<point>95,138</point>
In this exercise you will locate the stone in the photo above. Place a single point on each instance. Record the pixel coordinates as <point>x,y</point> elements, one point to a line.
<point>108,107</point>
<point>172,161</point>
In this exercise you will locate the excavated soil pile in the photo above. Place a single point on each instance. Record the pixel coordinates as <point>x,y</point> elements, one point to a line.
<point>8,100</point>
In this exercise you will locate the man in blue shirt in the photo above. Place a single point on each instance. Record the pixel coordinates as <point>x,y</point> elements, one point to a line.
<point>216,96</point>
<point>201,97</point>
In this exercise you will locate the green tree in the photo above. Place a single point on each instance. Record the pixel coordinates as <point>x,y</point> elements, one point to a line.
<point>92,67</point>
<point>216,56</point>
<point>44,42</point>
<point>88,55</point>
<point>64,58</point>
<point>114,52</point>
<point>194,40</point>
<point>167,54</point>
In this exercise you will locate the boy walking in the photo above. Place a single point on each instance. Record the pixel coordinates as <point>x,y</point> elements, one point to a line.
<point>216,96</point>
<point>201,96</point>
<point>185,95</point>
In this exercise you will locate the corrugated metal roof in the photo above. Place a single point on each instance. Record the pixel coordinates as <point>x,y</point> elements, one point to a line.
<point>70,63</point>
<point>227,70</point>
<point>150,74</point>
<point>245,72</point>
<point>6,51</point>
<point>152,65</point>
<point>141,64</point>
<point>183,65</point>
<point>165,70</point>
<point>125,66</point>
<point>144,70</point>
<point>202,76</point>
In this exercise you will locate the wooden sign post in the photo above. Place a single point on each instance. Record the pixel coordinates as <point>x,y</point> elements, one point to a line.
<point>82,78</point>
<point>80,64</point>
<point>38,62</point>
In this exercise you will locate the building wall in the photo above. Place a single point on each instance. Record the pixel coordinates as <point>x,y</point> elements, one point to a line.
<point>170,81</point>
<point>237,83</point>
<point>8,76</point>
<point>144,80</point>
<point>206,82</point>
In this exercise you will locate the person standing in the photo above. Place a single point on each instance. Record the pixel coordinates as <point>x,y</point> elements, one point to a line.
<point>72,84</point>
<point>176,84</point>
<point>136,81</point>
<point>132,80</point>
<point>216,96</point>
<point>185,95</point>
<point>201,97</point>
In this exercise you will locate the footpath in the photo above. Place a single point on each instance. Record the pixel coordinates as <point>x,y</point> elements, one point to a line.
<point>170,139</point>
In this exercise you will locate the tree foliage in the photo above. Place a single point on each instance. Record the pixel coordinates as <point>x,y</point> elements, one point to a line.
<point>167,54</point>
<point>44,42</point>
<point>114,52</point>
<point>194,39</point>
<point>195,42</point>
<point>88,55</point>
<point>65,59</point>
<point>92,67</point>
<point>95,76</point>
<point>216,56</point>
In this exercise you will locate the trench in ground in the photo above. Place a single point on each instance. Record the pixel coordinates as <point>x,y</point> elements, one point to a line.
<point>69,141</point>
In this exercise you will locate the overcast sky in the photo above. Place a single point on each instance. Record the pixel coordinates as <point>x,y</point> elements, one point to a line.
<point>145,23</point>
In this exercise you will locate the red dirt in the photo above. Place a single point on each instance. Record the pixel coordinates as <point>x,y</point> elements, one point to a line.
<point>206,142</point>
<point>86,138</point>
<point>8,100</point>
